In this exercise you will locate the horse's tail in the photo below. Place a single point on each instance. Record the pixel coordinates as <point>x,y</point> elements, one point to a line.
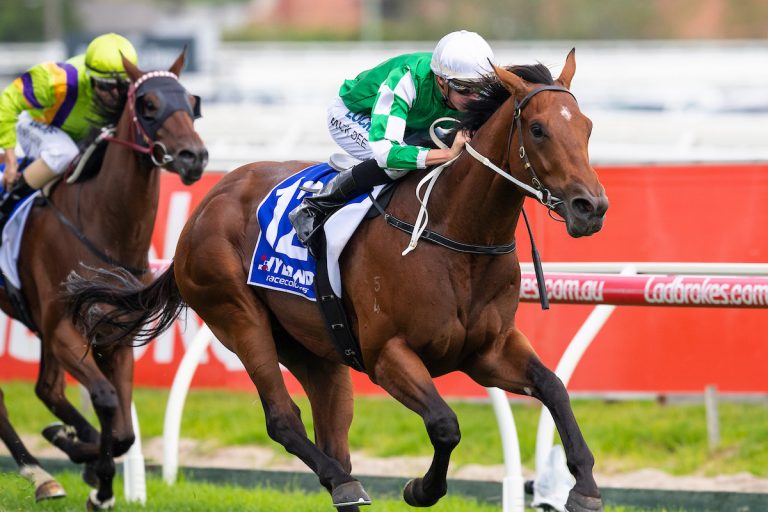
<point>115,307</point>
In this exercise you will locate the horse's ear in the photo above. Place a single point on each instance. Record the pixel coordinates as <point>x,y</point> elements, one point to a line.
<point>513,83</point>
<point>566,75</point>
<point>132,69</point>
<point>179,64</point>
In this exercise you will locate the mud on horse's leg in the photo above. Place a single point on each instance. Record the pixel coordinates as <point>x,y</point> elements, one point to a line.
<point>402,373</point>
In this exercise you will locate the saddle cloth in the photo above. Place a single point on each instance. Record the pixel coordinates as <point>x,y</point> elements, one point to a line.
<point>12,233</point>
<point>280,262</point>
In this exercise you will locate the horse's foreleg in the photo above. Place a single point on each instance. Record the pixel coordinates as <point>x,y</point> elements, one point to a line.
<point>329,388</point>
<point>69,352</point>
<point>45,485</point>
<point>402,373</point>
<point>82,445</point>
<point>511,364</point>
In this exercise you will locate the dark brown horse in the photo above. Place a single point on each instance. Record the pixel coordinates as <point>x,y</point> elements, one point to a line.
<point>106,220</point>
<point>416,317</point>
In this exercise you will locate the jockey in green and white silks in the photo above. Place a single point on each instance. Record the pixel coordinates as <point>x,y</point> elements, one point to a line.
<point>50,108</point>
<point>374,112</point>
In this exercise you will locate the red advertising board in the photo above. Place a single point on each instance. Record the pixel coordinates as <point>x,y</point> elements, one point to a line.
<point>669,213</point>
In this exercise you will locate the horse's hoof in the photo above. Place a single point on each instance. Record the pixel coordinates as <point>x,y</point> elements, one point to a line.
<point>580,503</point>
<point>54,431</point>
<point>349,494</point>
<point>413,494</point>
<point>89,476</point>
<point>49,490</point>
<point>94,503</point>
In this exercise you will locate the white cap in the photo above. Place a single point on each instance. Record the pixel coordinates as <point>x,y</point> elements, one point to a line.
<point>463,55</point>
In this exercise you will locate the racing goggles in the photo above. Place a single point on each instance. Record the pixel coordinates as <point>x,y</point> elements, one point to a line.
<point>109,84</point>
<point>462,87</point>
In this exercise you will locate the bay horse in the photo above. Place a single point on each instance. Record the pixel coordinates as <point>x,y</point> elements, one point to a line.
<point>416,317</point>
<point>106,220</point>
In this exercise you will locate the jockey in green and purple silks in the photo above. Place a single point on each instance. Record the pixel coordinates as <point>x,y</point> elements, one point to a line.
<point>50,107</point>
<point>375,111</point>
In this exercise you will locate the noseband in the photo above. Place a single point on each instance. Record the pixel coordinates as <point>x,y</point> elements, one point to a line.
<point>536,188</point>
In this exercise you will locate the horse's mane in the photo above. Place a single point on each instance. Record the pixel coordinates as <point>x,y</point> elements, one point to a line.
<point>492,94</point>
<point>102,115</point>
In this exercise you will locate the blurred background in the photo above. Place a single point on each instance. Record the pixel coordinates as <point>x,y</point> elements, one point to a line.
<point>663,81</point>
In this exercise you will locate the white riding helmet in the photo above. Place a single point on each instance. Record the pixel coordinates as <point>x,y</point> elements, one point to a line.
<point>462,55</point>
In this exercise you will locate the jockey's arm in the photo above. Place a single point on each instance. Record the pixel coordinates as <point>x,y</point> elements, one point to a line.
<point>33,90</point>
<point>388,121</point>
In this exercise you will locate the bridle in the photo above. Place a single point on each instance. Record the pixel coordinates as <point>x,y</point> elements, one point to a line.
<point>536,188</point>
<point>143,135</point>
<point>146,135</point>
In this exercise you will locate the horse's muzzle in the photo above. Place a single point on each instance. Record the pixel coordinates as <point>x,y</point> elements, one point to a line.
<point>584,214</point>
<point>189,164</point>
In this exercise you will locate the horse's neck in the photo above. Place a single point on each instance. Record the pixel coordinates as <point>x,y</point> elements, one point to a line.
<point>476,203</point>
<point>125,193</point>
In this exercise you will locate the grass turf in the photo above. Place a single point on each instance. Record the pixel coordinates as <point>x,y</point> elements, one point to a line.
<point>623,436</point>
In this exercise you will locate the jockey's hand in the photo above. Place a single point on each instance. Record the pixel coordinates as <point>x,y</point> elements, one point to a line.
<point>461,139</point>
<point>440,156</point>
<point>11,173</point>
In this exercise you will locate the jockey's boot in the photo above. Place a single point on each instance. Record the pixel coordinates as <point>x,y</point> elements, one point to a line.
<point>19,191</point>
<point>346,185</point>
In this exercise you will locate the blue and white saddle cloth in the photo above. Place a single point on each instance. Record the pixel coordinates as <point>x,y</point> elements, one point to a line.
<point>280,261</point>
<point>11,237</point>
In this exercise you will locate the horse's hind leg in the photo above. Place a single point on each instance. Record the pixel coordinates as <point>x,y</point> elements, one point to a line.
<point>511,364</point>
<point>45,485</point>
<point>329,388</point>
<point>402,373</point>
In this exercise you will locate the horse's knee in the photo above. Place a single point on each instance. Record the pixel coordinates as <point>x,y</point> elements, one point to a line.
<point>123,443</point>
<point>547,386</point>
<point>104,397</point>
<point>43,391</point>
<point>444,431</point>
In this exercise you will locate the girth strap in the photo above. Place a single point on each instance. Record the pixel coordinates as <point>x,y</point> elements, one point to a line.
<point>335,314</point>
<point>439,239</point>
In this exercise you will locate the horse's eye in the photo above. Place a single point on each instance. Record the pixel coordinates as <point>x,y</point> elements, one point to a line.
<point>149,108</point>
<point>537,131</point>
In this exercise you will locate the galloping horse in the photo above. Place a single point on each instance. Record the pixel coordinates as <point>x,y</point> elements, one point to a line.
<point>416,317</point>
<point>105,220</point>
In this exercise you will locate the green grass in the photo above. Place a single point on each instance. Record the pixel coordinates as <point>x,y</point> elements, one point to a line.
<point>623,436</point>
<point>16,496</point>
<point>203,497</point>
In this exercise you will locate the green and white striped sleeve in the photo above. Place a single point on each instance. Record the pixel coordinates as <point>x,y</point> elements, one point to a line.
<point>390,111</point>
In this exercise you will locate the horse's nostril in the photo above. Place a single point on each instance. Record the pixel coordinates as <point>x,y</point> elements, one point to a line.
<point>188,157</point>
<point>582,206</point>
